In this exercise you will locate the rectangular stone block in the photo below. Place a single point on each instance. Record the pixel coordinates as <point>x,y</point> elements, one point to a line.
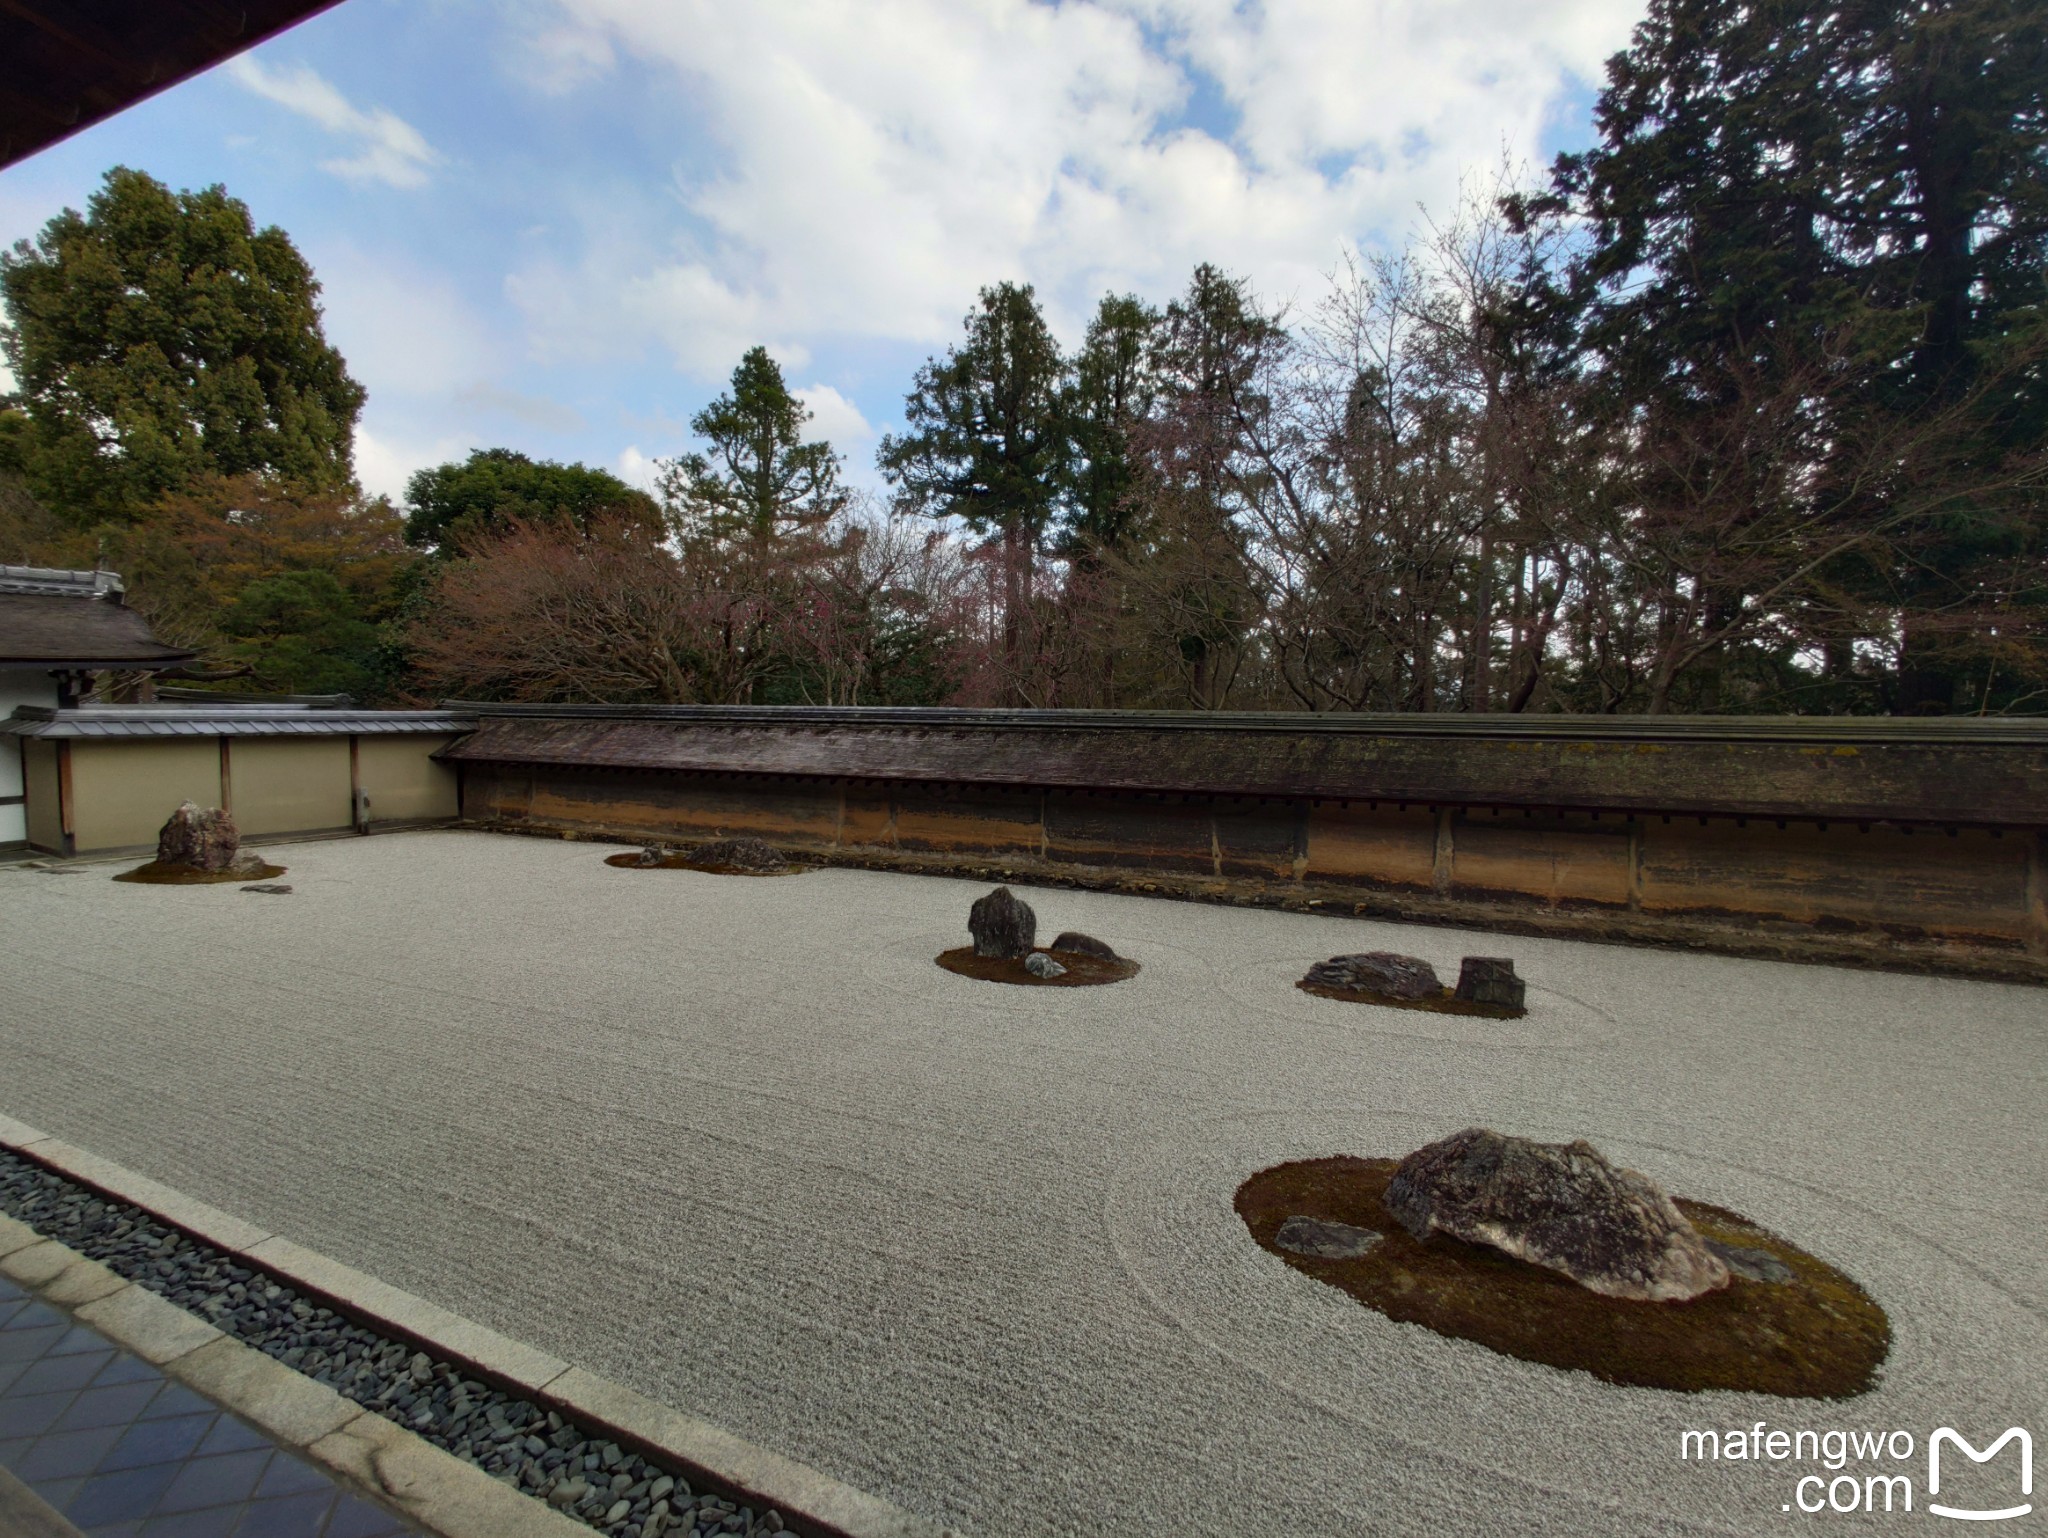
<point>435,1328</point>
<point>174,1207</point>
<point>154,1328</point>
<point>16,1236</point>
<point>18,1134</point>
<point>813,1500</point>
<point>288,1405</point>
<point>37,1265</point>
<point>83,1281</point>
<point>443,1494</point>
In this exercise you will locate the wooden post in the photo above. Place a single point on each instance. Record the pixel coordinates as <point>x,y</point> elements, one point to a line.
<point>227,780</point>
<point>1440,878</point>
<point>356,814</point>
<point>66,808</point>
<point>2037,896</point>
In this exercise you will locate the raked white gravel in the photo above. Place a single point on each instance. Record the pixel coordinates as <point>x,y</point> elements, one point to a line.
<point>739,1144</point>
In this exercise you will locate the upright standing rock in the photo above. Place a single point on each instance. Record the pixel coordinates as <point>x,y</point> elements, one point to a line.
<point>1490,980</point>
<point>1002,925</point>
<point>1559,1205</point>
<point>199,839</point>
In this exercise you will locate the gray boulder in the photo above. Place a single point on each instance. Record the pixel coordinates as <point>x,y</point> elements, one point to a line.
<point>1325,1240</point>
<point>1399,977</point>
<point>1038,964</point>
<point>1490,980</point>
<point>1076,943</point>
<point>1002,925</point>
<point>200,838</point>
<point>1560,1205</point>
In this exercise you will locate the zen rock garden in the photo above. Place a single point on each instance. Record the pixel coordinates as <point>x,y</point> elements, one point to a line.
<point>1551,1253</point>
<point>1487,985</point>
<point>199,846</point>
<point>1006,949</point>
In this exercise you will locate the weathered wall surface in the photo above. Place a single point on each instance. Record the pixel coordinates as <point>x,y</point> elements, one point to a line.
<point>122,791</point>
<point>1902,846</point>
<point>280,785</point>
<point>403,780</point>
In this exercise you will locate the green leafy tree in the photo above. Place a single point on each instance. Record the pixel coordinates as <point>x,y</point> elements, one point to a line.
<point>302,632</point>
<point>987,440</point>
<point>159,337</point>
<point>761,481</point>
<point>495,489</point>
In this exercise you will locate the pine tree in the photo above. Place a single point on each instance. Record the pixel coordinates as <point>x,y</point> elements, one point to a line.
<point>987,439</point>
<point>761,481</point>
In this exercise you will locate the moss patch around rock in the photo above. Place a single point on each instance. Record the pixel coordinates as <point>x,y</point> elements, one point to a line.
<point>1083,970</point>
<point>155,874</point>
<point>1444,1003</point>
<point>1819,1336</point>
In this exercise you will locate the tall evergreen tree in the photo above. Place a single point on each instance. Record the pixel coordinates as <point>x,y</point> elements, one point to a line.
<point>987,438</point>
<point>1837,217</point>
<point>761,479</point>
<point>1113,388</point>
<point>160,337</point>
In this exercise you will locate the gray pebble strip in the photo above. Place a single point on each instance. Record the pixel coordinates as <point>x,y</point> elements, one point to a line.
<point>535,1450</point>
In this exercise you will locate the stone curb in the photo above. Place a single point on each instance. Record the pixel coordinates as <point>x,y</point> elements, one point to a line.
<point>448,1496</point>
<point>400,1470</point>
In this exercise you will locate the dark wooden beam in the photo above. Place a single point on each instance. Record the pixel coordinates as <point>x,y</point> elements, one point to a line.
<point>67,64</point>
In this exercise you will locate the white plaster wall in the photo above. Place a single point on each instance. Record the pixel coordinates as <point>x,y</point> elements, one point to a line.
<point>18,686</point>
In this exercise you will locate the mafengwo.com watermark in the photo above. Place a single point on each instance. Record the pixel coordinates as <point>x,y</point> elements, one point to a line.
<point>1880,1471</point>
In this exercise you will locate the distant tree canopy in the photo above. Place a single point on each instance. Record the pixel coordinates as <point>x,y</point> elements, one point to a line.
<point>1743,409</point>
<point>761,479</point>
<point>496,488</point>
<point>160,337</point>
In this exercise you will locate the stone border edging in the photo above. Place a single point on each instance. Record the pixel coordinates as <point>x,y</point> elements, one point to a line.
<point>453,1497</point>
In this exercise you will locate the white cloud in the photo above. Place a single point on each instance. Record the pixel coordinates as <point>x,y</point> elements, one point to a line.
<point>836,419</point>
<point>635,468</point>
<point>406,330</point>
<point>881,162</point>
<point>384,464</point>
<point>388,149</point>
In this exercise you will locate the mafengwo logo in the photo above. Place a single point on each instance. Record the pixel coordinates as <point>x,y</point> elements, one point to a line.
<point>1976,1493</point>
<point>1949,1436</point>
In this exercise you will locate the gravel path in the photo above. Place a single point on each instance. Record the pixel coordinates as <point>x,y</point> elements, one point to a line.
<point>740,1145</point>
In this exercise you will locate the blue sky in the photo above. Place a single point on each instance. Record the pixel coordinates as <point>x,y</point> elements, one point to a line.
<point>554,225</point>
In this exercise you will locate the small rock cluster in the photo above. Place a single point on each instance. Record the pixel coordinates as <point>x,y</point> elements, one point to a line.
<point>1005,928</point>
<point>1481,979</point>
<point>205,839</point>
<point>534,1450</point>
<point>748,854</point>
<point>1560,1205</point>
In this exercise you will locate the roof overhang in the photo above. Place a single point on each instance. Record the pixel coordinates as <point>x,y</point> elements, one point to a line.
<point>68,64</point>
